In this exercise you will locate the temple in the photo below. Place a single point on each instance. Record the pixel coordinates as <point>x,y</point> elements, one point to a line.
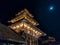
<point>9,37</point>
<point>26,27</point>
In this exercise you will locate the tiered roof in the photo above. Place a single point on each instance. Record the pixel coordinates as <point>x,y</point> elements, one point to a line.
<point>24,21</point>
<point>26,15</point>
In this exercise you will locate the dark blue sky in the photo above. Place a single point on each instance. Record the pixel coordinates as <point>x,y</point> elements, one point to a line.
<point>49,19</point>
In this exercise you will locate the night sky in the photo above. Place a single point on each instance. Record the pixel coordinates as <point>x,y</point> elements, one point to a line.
<point>46,12</point>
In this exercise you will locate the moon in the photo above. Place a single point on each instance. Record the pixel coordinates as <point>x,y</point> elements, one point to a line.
<point>51,8</point>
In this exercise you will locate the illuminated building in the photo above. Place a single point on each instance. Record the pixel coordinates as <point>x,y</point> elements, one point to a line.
<point>9,37</point>
<point>25,26</point>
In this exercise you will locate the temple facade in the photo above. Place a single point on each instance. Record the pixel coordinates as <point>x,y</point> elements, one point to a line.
<point>26,27</point>
<point>9,37</point>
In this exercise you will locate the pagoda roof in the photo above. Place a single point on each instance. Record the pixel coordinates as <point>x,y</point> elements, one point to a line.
<point>29,25</point>
<point>24,14</point>
<point>8,34</point>
<point>25,11</point>
<point>24,21</point>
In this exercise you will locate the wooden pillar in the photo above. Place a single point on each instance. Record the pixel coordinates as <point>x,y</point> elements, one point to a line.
<point>37,41</point>
<point>26,40</point>
<point>30,40</point>
<point>33,41</point>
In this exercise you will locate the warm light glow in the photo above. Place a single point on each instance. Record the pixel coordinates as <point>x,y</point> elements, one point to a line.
<point>33,34</point>
<point>17,26</point>
<point>25,25</point>
<point>12,21</point>
<point>28,27</point>
<point>14,27</point>
<point>34,23</point>
<point>21,25</point>
<point>40,33</point>
<point>16,30</point>
<point>35,31</point>
<point>28,31</point>
<point>31,28</point>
